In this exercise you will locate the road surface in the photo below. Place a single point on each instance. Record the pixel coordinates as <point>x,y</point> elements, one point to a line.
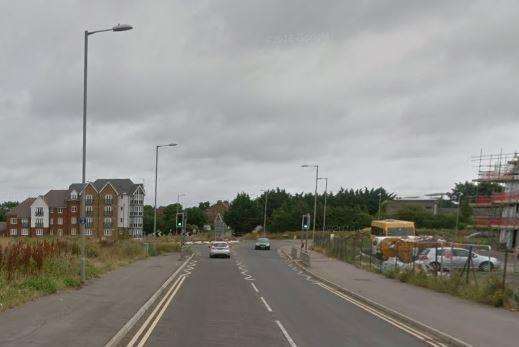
<point>257,299</point>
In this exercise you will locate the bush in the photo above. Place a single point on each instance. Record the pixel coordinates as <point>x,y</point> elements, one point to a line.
<point>71,282</point>
<point>43,284</point>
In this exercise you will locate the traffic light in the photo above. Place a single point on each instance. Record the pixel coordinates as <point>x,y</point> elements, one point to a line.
<point>305,223</point>
<point>179,221</point>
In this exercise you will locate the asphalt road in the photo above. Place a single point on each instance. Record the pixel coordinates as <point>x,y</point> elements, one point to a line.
<point>256,299</point>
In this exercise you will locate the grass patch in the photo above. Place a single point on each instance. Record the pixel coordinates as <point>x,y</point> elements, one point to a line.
<point>30,268</point>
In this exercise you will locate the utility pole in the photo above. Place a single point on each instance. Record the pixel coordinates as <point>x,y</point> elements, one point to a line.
<point>315,193</point>
<point>325,198</point>
<point>265,213</point>
<point>118,27</point>
<point>156,176</point>
<point>458,211</point>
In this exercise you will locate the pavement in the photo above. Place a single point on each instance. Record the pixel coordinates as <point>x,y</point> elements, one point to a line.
<point>257,299</point>
<point>89,316</point>
<point>473,323</point>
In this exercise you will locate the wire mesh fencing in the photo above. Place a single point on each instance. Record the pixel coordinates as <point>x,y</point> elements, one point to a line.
<point>471,271</point>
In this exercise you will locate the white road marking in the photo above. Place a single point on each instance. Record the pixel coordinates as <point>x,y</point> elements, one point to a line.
<point>266,305</point>
<point>254,286</point>
<point>285,333</point>
<point>383,316</point>
<point>159,316</point>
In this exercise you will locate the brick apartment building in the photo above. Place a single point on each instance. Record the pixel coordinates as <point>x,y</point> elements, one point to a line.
<point>110,207</point>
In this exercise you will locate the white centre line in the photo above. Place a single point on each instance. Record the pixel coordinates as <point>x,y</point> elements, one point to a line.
<point>285,333</point>
<point>266,305</point>
<point>254,286</point>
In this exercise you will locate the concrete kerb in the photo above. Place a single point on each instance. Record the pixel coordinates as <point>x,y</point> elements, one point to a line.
<point>443,337</point>
<point>114,341</point>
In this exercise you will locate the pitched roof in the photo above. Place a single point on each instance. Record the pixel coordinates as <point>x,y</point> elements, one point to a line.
<point>23,210</point>
<point>78,187</point>
<point>122,185</point>
<point>56,198</point>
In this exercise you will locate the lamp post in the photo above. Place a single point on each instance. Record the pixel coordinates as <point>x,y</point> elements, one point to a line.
<point>315,196</point>
<point>325,195</point>
<point>458,211</point>
<point>118,27</point>
<point>156,176</point>
<point>265,212</point>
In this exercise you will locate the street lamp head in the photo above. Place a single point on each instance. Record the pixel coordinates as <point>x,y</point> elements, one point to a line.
<point>173,144</point>
<point>305,165</point>
<point>122,27</point>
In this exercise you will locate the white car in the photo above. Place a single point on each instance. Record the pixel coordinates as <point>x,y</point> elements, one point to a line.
<point>219,249</point>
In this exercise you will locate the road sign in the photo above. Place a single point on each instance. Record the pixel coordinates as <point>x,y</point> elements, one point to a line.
<point>82,221</point>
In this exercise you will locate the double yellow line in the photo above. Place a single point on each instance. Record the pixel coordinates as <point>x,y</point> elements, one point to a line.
<point>402,326</point>
<point>157,313</point>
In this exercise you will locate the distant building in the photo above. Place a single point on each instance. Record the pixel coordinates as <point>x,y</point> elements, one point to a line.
<point>499,211</point>
<point>212,212</point>
<point>430,205</point>
<point>109,206</point>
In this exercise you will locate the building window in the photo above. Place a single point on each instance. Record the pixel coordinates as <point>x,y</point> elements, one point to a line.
<point>73,220</point>
<point>25,232</point>
<point>108,232</point>
<point>73,196</point>
<point>88,210</point>
<point>60,210</point>
<point>39,232</point>
<point>60,221</point>
<point>51,221</point>
<point>108,199</point>
<point>25,223</point>
<point>39,212</point>
<point>14,220</point>
<point>88,199</point>
<point>73,231</point>
<point>88,232</point>
<point>108,210</point>
<point>121,220</point>
<point>73,209</point>
<point>60,232</point>
<point>13,232</point>
<point>39,223</point>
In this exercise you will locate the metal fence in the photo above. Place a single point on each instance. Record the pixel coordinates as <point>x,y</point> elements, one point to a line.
<point>463,266</point>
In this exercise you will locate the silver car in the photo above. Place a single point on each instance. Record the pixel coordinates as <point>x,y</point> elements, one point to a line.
<point>455,258</point>
<point>219,249</point>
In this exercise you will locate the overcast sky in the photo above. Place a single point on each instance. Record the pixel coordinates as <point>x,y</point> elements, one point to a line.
<point>397,94</point>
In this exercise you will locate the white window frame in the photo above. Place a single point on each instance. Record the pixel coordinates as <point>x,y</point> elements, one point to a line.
<point>73,220</point>
<point>73,209</point>
<point>73,196</point>
<point>24,232</point>
<point>13,232</point>
<point>39,232</point>
<point>60,210</point>
<point>14,220</point>
<point>60,221</point>
<point>73,231</point>
<point>88,232</point>
<point>108,232</point>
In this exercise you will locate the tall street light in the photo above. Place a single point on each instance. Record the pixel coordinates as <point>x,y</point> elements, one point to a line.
<point>156,174</point>
<point>325,195</point>
<point>315,196</point>
<point>118,27</point>
<point>265,212</point>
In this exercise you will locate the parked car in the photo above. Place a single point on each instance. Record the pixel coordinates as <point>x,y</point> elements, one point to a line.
<point>262,243</point>
<point>455,258</point>
<point>219,249</point>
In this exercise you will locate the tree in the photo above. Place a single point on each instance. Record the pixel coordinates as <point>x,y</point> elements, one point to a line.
<point>5,207</point>
<point>196,216</point>
<point>204,205</point>
<point>167,220</point>
<point>147,222</point>
<point>243,214</point>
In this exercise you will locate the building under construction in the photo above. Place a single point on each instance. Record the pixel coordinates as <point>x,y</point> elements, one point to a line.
<point>499,211</point>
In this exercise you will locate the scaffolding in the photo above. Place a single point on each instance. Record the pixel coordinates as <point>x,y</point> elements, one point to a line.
<point>498,210</point>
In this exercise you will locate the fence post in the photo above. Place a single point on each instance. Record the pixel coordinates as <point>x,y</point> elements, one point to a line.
<point>504,268</point>
<point>370,254</point>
